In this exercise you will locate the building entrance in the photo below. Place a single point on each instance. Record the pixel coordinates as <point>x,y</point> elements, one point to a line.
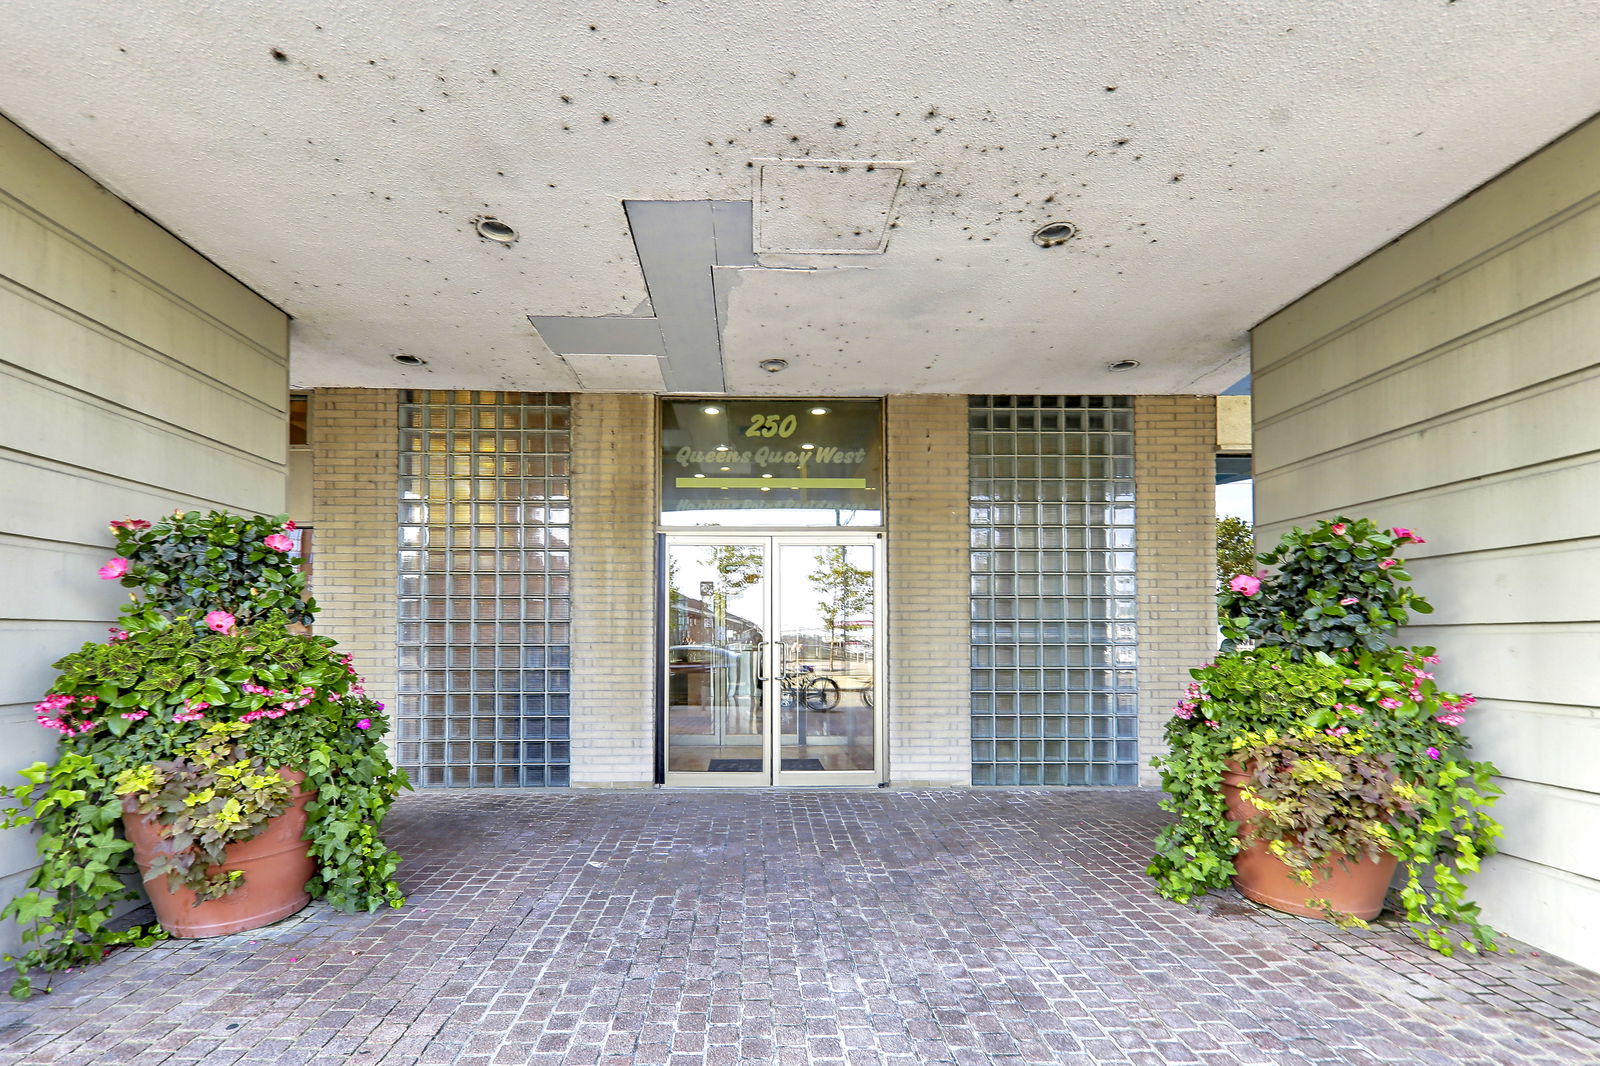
<point>771,656</point>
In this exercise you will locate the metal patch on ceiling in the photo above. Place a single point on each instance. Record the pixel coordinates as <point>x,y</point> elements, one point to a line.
<point>825,206</point>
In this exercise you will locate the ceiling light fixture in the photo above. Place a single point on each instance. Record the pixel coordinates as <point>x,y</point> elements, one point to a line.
<point>713,410</point>
<point>492,229</point>
<point>819,410</point>
<point>409,360</point>
<point>772,366</point>
<point>1053,233</point>
<point>722,447</point>
<point>1122,364</point>
<point>807,447</point>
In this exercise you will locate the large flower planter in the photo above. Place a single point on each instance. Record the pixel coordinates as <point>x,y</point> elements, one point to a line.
<point>1349,886</point>
<point>276,864</point>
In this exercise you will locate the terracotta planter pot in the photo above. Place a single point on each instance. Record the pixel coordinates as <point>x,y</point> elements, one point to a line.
<point>276,865</point>
<point>1352,886</point>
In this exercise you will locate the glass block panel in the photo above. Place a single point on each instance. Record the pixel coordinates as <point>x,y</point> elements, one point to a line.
<point>477,470</point>
<point>1053,587</point>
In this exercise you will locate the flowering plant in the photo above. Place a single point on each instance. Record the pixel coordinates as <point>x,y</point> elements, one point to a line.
<point>190,716</point>
<point>1292,701</point>
<point>1339,585</point>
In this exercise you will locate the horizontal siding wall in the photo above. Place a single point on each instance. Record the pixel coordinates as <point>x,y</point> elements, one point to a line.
<point>1450,383</point>
<point>136,378</point>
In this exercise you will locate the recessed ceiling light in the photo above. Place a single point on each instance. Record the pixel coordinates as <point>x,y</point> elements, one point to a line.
<point>1053,233</point>
<point>713,410</point>
<point>1122,364</point>
<point>772,366</point>
<point>699,475</point>
<point>724,468</point>
<point>722,447</point>
<point>765,488</point>
<point>819,410</point>
<point>492,229</point>
<point>409,360</point>
<point>807,447</point>
<point>766,475</point>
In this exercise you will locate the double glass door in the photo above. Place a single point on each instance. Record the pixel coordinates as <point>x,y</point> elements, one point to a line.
<point>771,660</point>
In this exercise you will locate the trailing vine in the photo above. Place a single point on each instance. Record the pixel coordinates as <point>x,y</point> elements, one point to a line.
<point>189,716</point>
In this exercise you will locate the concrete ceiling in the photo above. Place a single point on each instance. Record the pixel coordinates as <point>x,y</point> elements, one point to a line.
<point>1219,159</point>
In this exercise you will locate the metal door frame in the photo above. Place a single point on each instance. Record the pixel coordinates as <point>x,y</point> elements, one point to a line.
<point>773,775</point>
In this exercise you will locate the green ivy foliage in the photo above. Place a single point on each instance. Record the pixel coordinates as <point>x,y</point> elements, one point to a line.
<point>1297,682</point>
<point>192,720</point>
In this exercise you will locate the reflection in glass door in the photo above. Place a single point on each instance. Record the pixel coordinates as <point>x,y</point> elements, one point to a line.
<point>771,660</point>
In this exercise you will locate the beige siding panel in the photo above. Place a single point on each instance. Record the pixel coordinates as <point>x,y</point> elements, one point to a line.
<point>1554,503</point>
<point>1513,585</point>
<point>1535,664</point>
<point>27,648</point>
<point>62,583</point>
<point>1505,436</point>
<point>1556,827</point>
<point>51,501</point>
<point>59,269</point>
<point>1557,745</point>
<point>1524,275</point>
<point>35,176</point>
<point>60,344</point>
<point>1483,371</point>
<point>1541,905</point>
<point>81,431</point>
<point>1556,182</point>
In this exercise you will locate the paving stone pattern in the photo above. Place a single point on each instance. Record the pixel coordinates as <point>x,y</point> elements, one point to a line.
<point>800,927</point>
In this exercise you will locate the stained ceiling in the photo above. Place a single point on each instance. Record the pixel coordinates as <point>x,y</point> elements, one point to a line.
<point>846,186</point>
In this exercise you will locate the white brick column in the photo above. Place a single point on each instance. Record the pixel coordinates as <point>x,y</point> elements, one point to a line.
<point>929,715</point>
<point>1174,446</point>
<point>614,514</point>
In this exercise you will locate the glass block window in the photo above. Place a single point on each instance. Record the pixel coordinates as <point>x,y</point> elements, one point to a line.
<point>484,643</point>
<point>1054,614</point>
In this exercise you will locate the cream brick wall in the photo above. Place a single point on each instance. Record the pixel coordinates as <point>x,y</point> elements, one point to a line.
<point>613,589</point>
<point>1174,441</point>
<point>929,610</point>
<point>354,468</point>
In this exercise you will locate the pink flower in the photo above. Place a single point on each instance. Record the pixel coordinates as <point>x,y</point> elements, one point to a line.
<point>278,542</point>
<point>134,716</point>
<point>1449,719</point>
<point>114,569</point>
<point>134,525</point>
<point>1337,732</point>
<point>117,635</point>
<point>1403,533</point>
<point>289,525</point>
<point>1347,601</point>
<point>1388,563</point>
<point>1337,529</point>
<point>365,723</point>
<point>221,621</point>
<point>1389,703</point>
<point>1433,753</point>
<point>1245,584</point>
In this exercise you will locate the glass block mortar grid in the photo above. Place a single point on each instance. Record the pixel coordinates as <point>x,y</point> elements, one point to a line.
<point>1054,608</point>
<point>484,601</point>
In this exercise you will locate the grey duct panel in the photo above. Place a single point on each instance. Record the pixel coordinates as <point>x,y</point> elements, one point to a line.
<point>676,243</point>
<point>600,336</point>
<point>734,231</point>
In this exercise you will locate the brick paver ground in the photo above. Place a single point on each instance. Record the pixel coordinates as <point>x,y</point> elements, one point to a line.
<point>883,927</point>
